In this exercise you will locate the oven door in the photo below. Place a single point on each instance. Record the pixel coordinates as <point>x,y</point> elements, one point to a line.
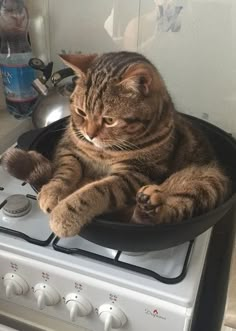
<point>14,317</point>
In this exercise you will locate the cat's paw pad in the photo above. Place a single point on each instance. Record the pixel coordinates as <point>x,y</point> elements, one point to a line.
<point>64,222</point>
<point>150,203</point>
<point>152,206</point>
<point>149,198</point>
<point>49,197</point>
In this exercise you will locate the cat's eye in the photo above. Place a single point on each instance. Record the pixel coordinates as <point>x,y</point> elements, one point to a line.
<point>109,121</point>
<point>80,112</point>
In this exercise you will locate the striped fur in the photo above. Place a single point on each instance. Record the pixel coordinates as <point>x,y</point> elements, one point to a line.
<point>123,136</point>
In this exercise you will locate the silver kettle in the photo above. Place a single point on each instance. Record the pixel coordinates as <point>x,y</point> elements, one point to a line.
<point>53,102</point>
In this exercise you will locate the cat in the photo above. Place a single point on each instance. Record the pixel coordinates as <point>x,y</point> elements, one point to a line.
<point>126,148</point>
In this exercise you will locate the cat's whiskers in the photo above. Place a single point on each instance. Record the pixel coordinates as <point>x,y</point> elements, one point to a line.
<point>119,144</point>
<point>107,143</point>
<point>127,145</point>
<point>61,129</point>
<point>115,145</point>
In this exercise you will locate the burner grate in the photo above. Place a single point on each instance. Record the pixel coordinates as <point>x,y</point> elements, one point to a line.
<point>117,262</point>
<point>27,238</point>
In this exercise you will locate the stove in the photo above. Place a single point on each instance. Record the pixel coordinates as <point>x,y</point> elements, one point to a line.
<point>73,284</point>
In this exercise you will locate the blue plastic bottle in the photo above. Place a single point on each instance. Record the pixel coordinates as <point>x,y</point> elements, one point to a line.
<point>15,53</point>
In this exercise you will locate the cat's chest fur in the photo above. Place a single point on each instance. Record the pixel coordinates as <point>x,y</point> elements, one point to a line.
<point>97,164</point>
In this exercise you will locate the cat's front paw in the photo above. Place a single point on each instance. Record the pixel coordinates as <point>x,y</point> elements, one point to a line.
<point>32,167</point>
<point>149,208</point>
<point>17,163</point>
<point>149,198</point>
<point>49,197</point>
<point>65,221</point>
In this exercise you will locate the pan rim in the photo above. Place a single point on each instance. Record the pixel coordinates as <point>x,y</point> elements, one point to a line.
<point>98,221</point>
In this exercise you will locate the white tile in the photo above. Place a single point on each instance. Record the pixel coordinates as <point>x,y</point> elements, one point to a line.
<point>89,26</point>
<point>198,60</point>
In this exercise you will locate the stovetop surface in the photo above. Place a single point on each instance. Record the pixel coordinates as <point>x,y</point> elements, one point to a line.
<point>167,263</point>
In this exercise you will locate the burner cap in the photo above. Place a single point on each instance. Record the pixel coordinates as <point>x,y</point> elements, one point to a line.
<point>17,205</point>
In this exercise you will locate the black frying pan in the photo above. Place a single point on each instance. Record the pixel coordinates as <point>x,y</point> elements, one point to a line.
<point>136,237</point>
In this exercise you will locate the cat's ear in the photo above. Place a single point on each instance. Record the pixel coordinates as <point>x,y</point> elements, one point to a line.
<point>78,62</point>
<point>138,78</point>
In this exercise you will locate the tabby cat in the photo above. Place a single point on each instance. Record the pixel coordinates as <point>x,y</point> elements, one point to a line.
<point>124,140</point>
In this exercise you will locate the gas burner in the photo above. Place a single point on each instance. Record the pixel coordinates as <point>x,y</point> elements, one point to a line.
<point>20,215</point>
<point>17,205</point>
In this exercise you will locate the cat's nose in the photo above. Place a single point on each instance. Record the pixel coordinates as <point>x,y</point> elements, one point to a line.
<point>92,135</point>
<point>92,131</point>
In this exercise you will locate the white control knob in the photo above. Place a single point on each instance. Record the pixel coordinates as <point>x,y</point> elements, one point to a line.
<point>112,317</point>
<point>78,306</point>
<point>15,285</point>
<point>45,295</point>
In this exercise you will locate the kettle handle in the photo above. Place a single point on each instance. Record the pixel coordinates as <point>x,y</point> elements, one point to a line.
<point>38,64</point>
<point>61,74</point>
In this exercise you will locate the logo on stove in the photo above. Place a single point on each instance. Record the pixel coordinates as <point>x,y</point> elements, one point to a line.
<point>14,266</point>
<point>78,286</point>
<point>154,313</point>
<point>45,276</point>
<point>113,297</point>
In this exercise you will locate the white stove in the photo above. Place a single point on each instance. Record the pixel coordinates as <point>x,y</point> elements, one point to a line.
<point>72,284</point>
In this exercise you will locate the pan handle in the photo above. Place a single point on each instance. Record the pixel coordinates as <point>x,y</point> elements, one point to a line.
<point>26,139</point>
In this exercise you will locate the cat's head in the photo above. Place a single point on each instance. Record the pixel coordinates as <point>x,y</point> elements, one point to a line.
<point>118,100</point>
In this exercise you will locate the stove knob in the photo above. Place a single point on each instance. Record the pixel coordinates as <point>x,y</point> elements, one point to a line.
<point>78,306</point>
<point>45,295</point>
<point>15,285</point>
<point>112,317</point>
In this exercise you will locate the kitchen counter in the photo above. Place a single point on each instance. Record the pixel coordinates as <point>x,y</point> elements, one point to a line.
<point>11,129</point>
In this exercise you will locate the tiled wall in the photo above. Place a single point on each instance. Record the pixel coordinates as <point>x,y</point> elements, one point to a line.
<point>194,48</point>
<point>90,26</point>
<point>193,43</point>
